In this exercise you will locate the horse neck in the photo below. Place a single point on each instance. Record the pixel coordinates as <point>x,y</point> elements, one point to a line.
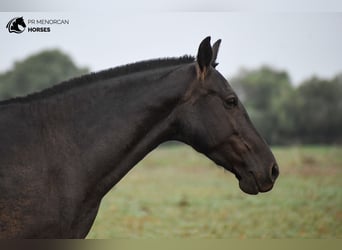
<point>115,123</point>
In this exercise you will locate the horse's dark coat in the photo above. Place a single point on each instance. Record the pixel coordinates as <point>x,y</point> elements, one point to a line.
<point>63,149</point>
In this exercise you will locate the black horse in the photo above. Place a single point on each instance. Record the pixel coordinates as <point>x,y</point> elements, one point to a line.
<point>63,149</point>
<point>13,25</point>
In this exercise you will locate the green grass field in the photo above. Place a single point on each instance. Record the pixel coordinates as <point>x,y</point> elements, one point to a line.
<point>177,193</point>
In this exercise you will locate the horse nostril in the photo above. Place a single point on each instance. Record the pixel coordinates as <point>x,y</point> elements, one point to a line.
<point>274,172</point>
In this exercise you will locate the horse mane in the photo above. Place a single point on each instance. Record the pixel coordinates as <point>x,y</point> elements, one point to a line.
<point>102,75</point>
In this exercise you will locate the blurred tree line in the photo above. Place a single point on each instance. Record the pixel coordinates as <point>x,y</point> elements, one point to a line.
<point>37,72</point>
<point>308,114</point>
<point>283,114</point>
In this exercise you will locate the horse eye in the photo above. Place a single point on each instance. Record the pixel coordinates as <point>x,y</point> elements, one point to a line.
<point>231,102</point>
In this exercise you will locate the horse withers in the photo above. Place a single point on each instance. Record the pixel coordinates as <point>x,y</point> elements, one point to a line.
<point>63,149</point>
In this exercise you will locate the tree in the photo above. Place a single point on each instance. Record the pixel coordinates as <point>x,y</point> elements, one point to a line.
<point>37,72</point>
<point>265,93</point>
<point>319,110</point>
<point>310,113</point>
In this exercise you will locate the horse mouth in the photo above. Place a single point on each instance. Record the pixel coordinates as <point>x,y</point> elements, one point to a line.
<point>247,181</point>
<point>249,184</point>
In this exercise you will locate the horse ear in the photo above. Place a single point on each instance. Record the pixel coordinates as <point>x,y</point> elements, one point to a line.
<point>204,57</point>
<point>216,47</point>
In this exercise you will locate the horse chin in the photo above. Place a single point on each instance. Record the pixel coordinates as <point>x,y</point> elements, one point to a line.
<point>248,184</point>
<point>248,187</point>
<point>247,181</point>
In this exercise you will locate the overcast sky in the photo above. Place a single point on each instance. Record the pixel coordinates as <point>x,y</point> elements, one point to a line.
<point>305,40</point>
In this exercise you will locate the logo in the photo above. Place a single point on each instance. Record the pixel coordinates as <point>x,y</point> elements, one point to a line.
<point>16,25</point>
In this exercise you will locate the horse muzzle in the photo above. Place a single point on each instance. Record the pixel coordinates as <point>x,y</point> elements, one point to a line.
<point>252,182</point>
